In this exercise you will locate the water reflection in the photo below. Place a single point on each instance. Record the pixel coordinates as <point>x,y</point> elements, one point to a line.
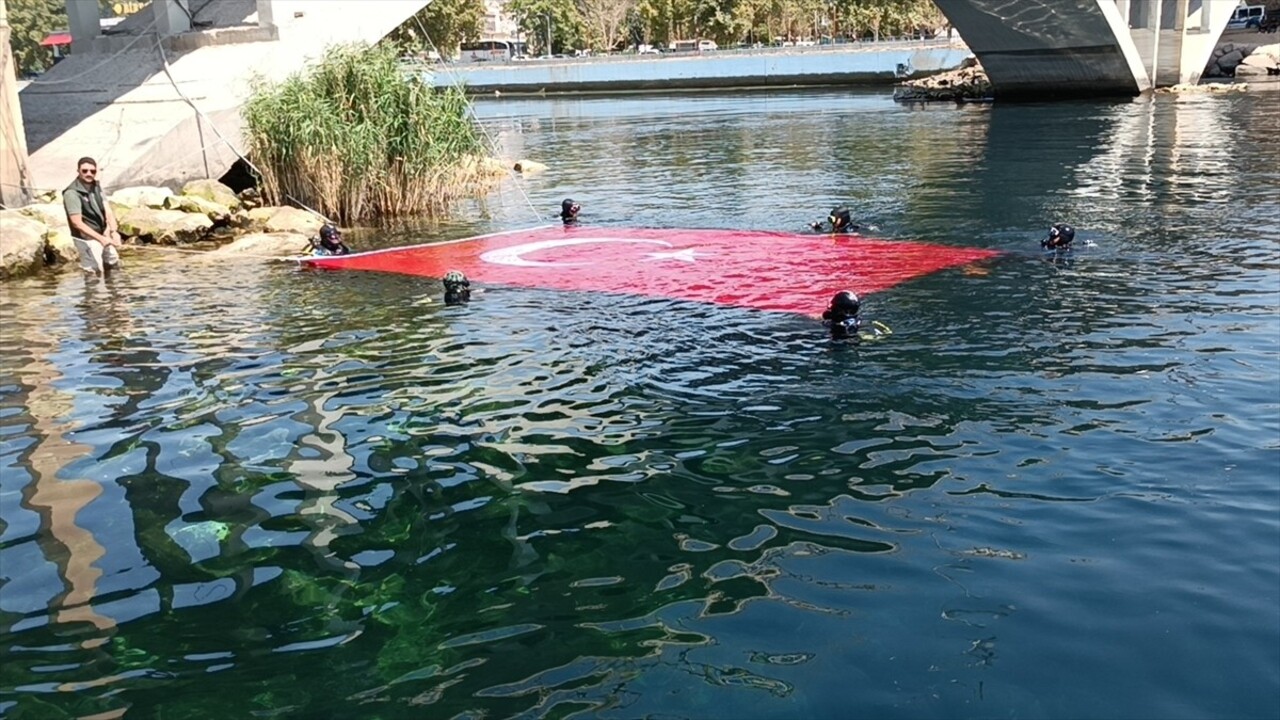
<point>335,495</point>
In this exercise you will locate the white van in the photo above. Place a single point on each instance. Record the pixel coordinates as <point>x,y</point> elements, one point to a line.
<point>705,45</point>
<point>1247,17</point>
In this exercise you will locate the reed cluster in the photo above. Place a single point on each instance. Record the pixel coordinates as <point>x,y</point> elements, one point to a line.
<point>357,137</point>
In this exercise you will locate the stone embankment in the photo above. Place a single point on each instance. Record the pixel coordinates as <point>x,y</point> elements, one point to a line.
<point>204,212</point>
<point>1238,60</point>
<point>968,83</point>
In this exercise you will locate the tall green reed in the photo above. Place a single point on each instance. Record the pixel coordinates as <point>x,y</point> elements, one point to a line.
<point>357,138</point>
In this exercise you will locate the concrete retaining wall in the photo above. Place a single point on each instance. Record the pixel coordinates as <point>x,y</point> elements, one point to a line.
<point>881,63</point>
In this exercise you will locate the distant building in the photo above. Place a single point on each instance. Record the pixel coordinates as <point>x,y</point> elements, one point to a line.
<point>498,25</point>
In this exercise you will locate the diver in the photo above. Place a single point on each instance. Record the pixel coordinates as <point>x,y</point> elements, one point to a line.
<point>329,242</point>
<point>569,211</point>
<point>457,288</point>
<point>1060,237</point>
<point>844,318</point>
<point>840,220</point>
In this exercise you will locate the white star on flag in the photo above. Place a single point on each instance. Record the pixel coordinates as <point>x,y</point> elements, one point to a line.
<point>686,255</point>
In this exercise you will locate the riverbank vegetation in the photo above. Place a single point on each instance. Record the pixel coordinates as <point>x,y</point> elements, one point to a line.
<point>356,138</point>
<point>607,25</point>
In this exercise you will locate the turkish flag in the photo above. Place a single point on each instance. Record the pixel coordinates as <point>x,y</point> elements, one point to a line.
<point>768,271</point>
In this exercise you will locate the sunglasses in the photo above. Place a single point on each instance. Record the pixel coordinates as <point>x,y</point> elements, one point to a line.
<point>88,171</point>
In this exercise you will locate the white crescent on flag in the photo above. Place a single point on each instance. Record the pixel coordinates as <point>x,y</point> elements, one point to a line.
<point>514,255</point>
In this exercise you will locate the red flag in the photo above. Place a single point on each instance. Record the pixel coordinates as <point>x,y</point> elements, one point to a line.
<point>764,270</point>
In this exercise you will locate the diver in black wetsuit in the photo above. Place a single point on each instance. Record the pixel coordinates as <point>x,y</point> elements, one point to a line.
<point>1060,237</point>
<point>329,242</point>
<point>840,220</point>
<point>842,316</point>
<point>569,211</point>
<point>457,288</point>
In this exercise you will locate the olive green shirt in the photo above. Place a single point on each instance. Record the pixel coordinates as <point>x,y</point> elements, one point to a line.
<point>85,201</point>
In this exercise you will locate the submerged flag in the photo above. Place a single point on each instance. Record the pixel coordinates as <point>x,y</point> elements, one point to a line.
<point>768,271</point>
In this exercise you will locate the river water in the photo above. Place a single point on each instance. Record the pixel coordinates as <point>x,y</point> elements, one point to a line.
<point>243,490</point>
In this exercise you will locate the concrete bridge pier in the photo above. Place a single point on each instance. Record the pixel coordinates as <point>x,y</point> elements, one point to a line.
<point>1044,48</point>
<point>170,17</point>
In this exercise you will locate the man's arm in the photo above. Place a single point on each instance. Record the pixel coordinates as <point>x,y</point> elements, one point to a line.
<point>113,230</point>
<point>77,221</point>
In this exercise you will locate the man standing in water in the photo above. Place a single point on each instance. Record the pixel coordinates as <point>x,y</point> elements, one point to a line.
<point>93,225</point>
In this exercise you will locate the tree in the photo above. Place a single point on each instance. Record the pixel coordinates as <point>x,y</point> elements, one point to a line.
<point>30,21</point>
<point>447,24</point>
<point>604,21</point>
<point>537,18</point>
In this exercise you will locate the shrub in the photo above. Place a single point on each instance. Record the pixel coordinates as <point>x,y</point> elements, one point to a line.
<point>356,137</point>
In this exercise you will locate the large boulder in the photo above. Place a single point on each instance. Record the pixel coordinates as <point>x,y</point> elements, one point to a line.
<point>213,191</point>
<point>278,244</point>
<point>291,220</point>
<point>191,227</point>
<point>196,204</point>
<point>59,249</point>
<point>164,226</point>
<point>142,196</point>
<point>52,214</point>
<point>273,219</point>
<point>22,243</point>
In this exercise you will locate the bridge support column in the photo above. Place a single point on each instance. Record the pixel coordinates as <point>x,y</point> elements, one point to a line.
<point>1123,7</point>
<point>171,18</point>
<point>1155,19</point>
<point>83,20</point>
<point>15,181</point>
<point>266,13</point>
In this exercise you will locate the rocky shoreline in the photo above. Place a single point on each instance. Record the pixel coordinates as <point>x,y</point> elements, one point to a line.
<point>36,237</point>
<point>968,83</point>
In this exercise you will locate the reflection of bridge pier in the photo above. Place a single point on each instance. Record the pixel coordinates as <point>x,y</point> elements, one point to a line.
<point>1089,47</point>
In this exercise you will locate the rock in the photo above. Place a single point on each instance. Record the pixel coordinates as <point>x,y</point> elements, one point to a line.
<point>1262,59</point>
<point>197,204</point>
<point>291,220</point>
<point>1229,61</point>
<point>529,167</point>
<point>51,214</point>
<point>22,244</point>
<point>59,248</point>
<point>164,226</point>
<point>278,244</point>
<point>191,227</point>
<point>142,196</point>
<point>213,191</point>
<point>250,198</point>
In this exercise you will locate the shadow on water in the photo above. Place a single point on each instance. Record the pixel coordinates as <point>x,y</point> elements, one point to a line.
<point>267,492</point>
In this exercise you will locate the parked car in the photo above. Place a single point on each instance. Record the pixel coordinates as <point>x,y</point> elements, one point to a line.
<point>1248,17</point>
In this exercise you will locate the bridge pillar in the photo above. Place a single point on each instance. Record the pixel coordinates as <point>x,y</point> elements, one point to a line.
<point>171,18</point>
<point>83,19</point>
<point>1123,7</point>
<point>15,180</point>
<point>266,13</point>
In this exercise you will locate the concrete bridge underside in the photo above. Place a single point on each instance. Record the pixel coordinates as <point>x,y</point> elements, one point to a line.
<point>158,100</point>
<point>1089,47</point>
